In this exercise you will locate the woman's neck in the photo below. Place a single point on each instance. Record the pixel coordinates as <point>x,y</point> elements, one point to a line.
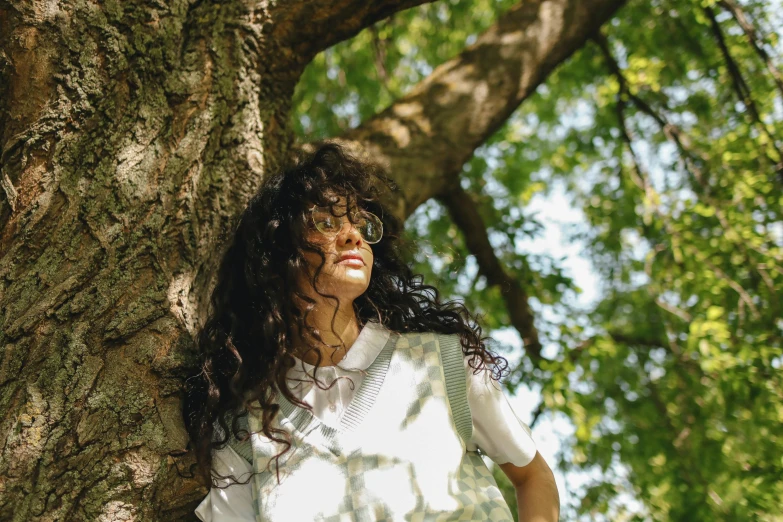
<point>336,341</point>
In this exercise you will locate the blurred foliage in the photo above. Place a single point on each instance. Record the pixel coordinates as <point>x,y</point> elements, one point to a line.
<point>667,131</point>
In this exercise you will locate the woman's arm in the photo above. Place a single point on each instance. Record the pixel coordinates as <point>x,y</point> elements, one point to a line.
<point>537,497</point>
<point>508,441</point>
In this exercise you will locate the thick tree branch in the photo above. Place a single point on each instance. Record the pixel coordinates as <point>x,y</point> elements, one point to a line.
<point>426,136</point>
<point>465,215</point>
<point>308,28</point>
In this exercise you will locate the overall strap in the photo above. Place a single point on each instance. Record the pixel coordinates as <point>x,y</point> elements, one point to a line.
<point>456,386</point>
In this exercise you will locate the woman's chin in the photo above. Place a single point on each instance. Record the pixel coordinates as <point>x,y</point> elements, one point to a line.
<point>347,285</point>
<point>349,273</point>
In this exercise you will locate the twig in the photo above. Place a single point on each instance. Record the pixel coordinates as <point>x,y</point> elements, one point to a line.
<point>754,39</point>
<point>536,414</point>
<point>379,46</point>
<point>741,87</point>
<point>673,134</point>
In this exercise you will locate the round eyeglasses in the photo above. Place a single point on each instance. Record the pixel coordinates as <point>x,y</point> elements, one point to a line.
<point>367,223</point>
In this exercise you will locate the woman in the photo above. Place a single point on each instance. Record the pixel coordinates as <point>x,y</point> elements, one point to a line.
<point>335,384</point>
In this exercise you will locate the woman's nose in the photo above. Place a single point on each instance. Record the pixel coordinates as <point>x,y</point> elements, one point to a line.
<point>351,234</point>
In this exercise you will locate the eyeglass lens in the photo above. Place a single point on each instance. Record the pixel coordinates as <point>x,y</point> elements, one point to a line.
<point>367,223</point>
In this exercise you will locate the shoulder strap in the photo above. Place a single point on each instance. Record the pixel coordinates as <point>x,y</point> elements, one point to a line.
<point>456,386</point>
<point>243,448</point>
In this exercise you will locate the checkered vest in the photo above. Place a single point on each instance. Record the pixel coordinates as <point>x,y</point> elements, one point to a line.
<point>398,454</point>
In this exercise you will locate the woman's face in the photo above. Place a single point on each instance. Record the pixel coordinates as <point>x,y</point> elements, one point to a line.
<point>348,265</point>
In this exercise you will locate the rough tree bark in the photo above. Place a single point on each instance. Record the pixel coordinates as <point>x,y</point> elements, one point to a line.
<point>131,135</point>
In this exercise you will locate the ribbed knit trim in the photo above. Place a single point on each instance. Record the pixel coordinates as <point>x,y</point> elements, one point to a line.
<point>300,419</point>
<point>365,396</point>
<point>357,409</point>
<point>456,386</point>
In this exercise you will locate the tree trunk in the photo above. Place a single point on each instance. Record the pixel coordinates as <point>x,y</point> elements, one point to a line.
<point>131,136</point>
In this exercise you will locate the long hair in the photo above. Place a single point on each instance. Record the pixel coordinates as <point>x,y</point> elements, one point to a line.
<point>246,345</point>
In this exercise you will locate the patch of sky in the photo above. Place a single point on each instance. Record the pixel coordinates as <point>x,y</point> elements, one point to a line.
<point>775,231</point>
<point>422,67</point>
<point>578,385</point>
<point>348,110</point>
<point>442,12</point>
<point>658,355</point>
<point>466,279</point>
<point>493,188</point>
<point>637,246</point>
<point>671,298</point>
<point>573,487</point>
<point>554,212</point>
<point>691,301</point>
<point>608,423</point>
<point>306,122</point>
<point>581,116</point>
<point>654,371</point>
<point>723,16</point>
<point>427,212</point>
<point>620,54</point>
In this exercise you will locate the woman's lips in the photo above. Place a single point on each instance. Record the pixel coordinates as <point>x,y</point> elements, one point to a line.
<point>352,261</point>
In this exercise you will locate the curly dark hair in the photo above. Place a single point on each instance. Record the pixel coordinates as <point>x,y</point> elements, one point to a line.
<point>246,344</point>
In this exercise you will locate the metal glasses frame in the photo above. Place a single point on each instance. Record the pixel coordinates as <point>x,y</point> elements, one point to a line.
<point>380,224</point>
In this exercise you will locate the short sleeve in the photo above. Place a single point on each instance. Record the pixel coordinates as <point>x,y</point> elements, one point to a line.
<point>497,429</point>
<point>235,502</point>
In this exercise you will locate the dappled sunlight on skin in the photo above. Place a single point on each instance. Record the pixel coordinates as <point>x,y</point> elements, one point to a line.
<point>341,280</point>
<point>333,285</point>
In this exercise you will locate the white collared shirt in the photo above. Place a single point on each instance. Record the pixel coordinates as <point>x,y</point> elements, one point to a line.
<point>497,430</point>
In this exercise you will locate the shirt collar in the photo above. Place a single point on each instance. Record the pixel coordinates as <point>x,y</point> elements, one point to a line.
<point>362,353</point>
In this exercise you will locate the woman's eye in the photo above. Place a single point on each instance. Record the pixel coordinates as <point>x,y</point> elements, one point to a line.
<point>324,222</point>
